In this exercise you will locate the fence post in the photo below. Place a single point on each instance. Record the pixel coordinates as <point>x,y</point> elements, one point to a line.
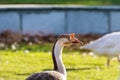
<point>109,21</point>
<point>21,21</point>
<point>66,21</point>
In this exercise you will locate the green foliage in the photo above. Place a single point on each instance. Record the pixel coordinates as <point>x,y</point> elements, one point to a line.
<point>83,2</point>
<point>35,47</point>
<point>17,65</point>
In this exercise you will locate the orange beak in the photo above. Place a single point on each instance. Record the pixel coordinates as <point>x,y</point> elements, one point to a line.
<point>77,41</point>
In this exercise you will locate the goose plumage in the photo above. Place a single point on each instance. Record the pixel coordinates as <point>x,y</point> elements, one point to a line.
<point>108,46</point>
<point>59,71</point>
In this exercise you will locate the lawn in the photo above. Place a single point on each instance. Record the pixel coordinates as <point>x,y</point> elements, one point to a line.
<point>79,2</point>
<point>20,63</point>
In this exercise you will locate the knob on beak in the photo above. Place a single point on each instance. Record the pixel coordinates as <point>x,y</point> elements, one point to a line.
<point>74,39</point>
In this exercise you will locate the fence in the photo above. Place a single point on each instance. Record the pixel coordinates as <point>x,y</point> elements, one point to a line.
<point>59,19</point>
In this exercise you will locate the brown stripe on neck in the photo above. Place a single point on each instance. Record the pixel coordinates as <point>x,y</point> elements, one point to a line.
<point>53,53</point>
<point>54,59</point>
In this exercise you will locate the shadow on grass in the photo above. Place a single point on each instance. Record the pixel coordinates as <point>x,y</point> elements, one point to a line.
<point>74,69</point>
<point>94,64</point>
<point>15,73</point>
<point>23,74</point>
<point>68,69</point>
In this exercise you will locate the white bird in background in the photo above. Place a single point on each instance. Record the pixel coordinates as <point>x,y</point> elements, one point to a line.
<point>108,46</point>
<point>59,72</point>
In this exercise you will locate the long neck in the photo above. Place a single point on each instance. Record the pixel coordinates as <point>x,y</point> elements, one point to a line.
<point>57,58</point>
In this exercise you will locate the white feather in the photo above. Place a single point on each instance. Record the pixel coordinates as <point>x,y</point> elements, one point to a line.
<point>108,45</point>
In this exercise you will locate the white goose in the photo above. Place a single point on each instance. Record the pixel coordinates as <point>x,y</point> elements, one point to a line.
<point>108,46</point>
<point>59,72</point>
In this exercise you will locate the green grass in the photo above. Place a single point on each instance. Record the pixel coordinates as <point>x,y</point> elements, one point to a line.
<point>17,65</point>
<point>79,2</point>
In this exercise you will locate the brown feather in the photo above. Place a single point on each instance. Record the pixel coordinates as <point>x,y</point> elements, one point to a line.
<point>46,75</point>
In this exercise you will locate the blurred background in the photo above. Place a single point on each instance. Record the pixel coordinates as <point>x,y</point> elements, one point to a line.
<point>45,17</point>
<point>59,17</point>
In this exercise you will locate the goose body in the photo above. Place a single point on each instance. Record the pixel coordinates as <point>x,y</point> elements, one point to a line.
<point>108,46</point>
<point>47,75</point>
<point>59,71</point>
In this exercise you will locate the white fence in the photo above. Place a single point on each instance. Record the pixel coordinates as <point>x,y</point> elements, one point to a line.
<point>59,19</point>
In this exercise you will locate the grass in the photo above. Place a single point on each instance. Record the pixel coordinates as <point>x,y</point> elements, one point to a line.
<point>17,65</point>
<point>79,2</point>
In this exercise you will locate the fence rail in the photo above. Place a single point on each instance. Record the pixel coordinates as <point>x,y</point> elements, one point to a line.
<point>58,19</point>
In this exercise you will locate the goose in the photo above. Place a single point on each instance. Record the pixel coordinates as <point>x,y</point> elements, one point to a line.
<point>108,46</point>
<point>59,71</point>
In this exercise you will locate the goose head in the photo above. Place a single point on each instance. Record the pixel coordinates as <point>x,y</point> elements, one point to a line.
<point>68,39</point>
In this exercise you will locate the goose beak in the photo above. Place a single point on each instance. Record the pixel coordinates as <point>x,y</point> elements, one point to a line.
<point>77,41</point>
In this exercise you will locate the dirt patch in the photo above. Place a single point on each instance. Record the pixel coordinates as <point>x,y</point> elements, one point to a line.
<point>9,38</point>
